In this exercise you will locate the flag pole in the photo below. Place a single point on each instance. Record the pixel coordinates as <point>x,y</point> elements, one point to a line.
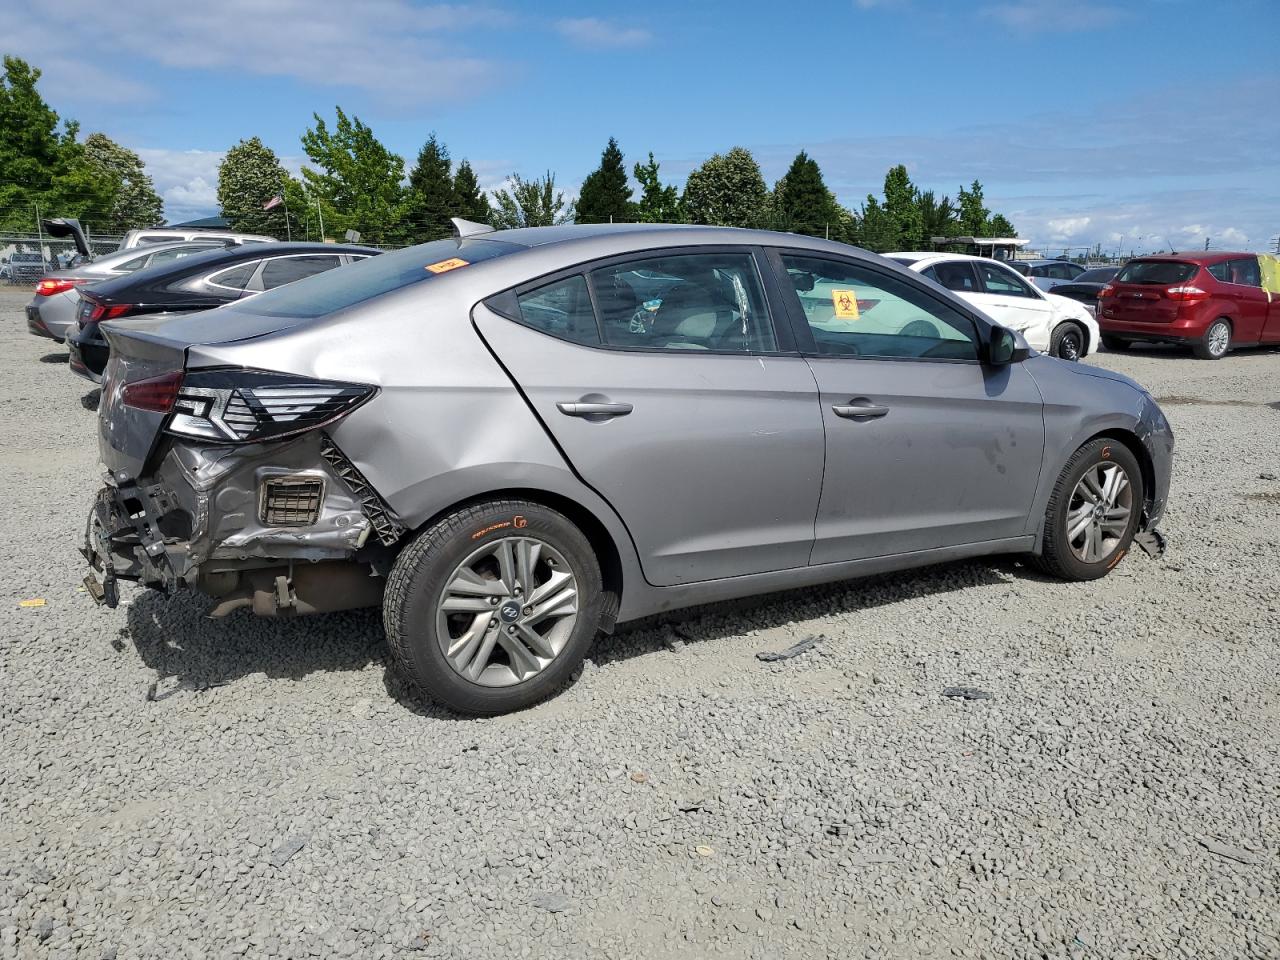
<point>288,230</point>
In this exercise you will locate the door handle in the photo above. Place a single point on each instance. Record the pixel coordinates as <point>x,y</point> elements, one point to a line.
<point>580,409</point>
<point>860,409</point>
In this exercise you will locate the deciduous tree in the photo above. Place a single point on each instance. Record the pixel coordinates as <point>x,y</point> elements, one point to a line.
<point>358,180</point>
<point>659,203</point>
<point>727,190</point>
<point>248,177</point>
<point>529,203</point>
<point>134,202</point>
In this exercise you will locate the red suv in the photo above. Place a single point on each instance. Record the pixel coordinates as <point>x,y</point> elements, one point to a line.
<point>1211,301</point>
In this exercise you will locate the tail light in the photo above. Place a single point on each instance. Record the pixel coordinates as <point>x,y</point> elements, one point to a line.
<point>1186,294</point>
<point>101,311</point>
<point>246,406</point>
<point>1108,291</point>
<point>51,285</point>
<point>155,394</point>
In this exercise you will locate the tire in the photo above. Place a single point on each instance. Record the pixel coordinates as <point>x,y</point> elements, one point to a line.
<point>1216,341</point>
<point>518,665</point>
<point>1115,344</point>
<point>1068,557</point>
<point>1068,342</point>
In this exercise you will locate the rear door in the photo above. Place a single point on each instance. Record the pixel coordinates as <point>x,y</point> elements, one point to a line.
<point>1244,286</point>
<point>926,447</point>
<point>1013,302</point>
<point>672,393</point>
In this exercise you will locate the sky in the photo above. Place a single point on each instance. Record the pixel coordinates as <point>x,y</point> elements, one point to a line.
<point>1136,124</point>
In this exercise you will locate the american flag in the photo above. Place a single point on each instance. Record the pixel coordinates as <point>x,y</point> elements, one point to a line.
<point>274,202</point>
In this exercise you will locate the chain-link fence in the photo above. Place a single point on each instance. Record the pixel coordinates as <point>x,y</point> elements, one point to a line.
<point>26,257</point>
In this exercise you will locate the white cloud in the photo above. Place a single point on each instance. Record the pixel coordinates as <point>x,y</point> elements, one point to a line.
<point>390,48</point>
<point>595,33</point>
<point>1030,16</point>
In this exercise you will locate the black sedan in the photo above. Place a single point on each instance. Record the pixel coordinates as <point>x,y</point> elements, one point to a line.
<point>1085,287</point>
<point>199,282</point>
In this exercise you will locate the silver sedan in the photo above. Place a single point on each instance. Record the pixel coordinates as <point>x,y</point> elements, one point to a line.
<point>515,440</point>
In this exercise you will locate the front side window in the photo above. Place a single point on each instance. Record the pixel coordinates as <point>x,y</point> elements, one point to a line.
<point>855,312</point>
<point>561,309</point>
<point>281,270</point>
<point>1001,282</point>
<point>703,301</point>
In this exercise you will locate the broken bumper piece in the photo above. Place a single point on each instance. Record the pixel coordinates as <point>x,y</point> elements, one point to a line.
<point>279,528</point>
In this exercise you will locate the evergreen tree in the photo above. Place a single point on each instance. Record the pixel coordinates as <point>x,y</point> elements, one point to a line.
<point>658,203</point>
<point>529,203</point>
<point>803,204</point>
<point>937,217</point>
<point>358,183</point>
<point>430,199</point>
<point>606,196</point>
<point>471,202</point>
<point>902,208</point>
<point>999,226</point>
<point>135,202</point>
<point>974,216</point>
<point>249,176</point>
<point>727,190</point>
<point>878,231</point>
<point>40,165</point>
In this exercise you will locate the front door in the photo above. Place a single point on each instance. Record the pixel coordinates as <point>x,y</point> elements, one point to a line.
<point>674,398</point>
<point>926,446</point>
<point>1012,302</point>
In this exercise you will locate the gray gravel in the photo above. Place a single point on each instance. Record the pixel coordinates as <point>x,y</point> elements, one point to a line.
<point>174,787</point>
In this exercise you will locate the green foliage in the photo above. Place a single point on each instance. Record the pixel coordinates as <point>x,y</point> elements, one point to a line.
<point>358,183</point>
<point>803,204</point>
<point>606,196</point>
<point>878,232</point>
<point>250,175</point>
<point>901,208</point>
<point>974,216</point>
<point>135,202</point>
<point>471,202</point>
<point>430,199</point>
<point>727,190</point>
<point>937,218</point>
<point>529,203</point>
<point>658,203</point>
<point>40,165</point>
<point>999,226</point>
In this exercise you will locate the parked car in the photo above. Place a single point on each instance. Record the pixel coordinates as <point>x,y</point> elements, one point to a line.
<point>1051,324</point>
<point>22,267</point>
<point>52,311</point>
<point>138,238</point>
<point>1086,287</point>
<point>201,281</point>
<point>548,454</point>
<point>1208,301</point>
<point>1046,274</point>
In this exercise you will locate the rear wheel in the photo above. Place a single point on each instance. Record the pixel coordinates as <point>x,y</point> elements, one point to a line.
<point>1067,342</point>
<point>1215,343</point>
<point>1115,344</point>
<point>1093,512</point>
<point>493,608</point>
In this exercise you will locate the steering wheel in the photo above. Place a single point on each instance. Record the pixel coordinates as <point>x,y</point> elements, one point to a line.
<point>919,328</point>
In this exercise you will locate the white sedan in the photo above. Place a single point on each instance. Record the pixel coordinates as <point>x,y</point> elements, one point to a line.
<point>1051,324</point>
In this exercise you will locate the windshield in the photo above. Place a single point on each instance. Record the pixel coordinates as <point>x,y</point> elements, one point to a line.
<point>334,290</point>
<point>1160,273</point>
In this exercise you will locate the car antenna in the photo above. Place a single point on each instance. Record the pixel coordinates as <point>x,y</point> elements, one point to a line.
<point>468,228</point>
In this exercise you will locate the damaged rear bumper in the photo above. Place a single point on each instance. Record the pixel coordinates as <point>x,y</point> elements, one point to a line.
<point>279,528</point>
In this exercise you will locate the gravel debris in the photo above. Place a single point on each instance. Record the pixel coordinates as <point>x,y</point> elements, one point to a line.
<point>823,791</point>
<point>968,693</point>
<point>792,651</point>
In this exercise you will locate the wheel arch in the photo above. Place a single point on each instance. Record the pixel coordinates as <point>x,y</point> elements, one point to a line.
<point>597,533</point>
<point>1088,345</point>
<point>1134,445</point>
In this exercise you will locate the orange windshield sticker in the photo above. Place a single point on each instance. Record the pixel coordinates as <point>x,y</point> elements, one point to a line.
<point>846,304</point>
<point>444,266</point>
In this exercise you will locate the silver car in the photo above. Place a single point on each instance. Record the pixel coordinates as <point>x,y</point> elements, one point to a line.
<point>52,311</point>
<point>515,440</point>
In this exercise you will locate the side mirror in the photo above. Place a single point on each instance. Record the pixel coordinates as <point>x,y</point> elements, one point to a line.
<point>1004,347</point>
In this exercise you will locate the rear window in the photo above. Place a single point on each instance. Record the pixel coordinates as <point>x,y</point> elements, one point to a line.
<point>335,290</point>
<point>1097,275</point>
<point>1156,272</point>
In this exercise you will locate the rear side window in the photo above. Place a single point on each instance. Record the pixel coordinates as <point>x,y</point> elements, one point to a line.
<point>561,309</point>
<point>339,289</point>
<point>954,276</point>
<point>703,301</point>
<point>1244,271</point>
<point>176,253</point>
<point>1161,273</point>
<point>236,277</point>
<point>129,266</point>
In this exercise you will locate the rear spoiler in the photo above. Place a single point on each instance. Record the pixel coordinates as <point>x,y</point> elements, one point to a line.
<point>68,227</point>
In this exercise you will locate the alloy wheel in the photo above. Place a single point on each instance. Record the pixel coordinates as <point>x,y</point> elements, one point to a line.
<point>1219,338</point>
<point>1099,512</point>
<point>507,611</point>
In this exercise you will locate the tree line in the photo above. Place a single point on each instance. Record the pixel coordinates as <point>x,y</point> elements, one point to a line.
<point>352,181</point>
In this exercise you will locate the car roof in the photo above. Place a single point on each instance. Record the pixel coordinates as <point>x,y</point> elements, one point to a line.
<point>1212,256</point>
<point>920,258</point>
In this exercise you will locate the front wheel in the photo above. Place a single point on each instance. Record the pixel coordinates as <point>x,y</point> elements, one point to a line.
<point>1093,512</point>
<point>1067,342</point>
<point>1215,343</point>
<point>493,608</point>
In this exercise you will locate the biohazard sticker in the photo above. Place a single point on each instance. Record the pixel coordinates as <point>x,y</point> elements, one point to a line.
<point>444,266</point>
<point>846,304</point>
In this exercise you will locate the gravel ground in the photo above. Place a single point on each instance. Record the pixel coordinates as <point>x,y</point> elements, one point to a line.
<point>173,787</point>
